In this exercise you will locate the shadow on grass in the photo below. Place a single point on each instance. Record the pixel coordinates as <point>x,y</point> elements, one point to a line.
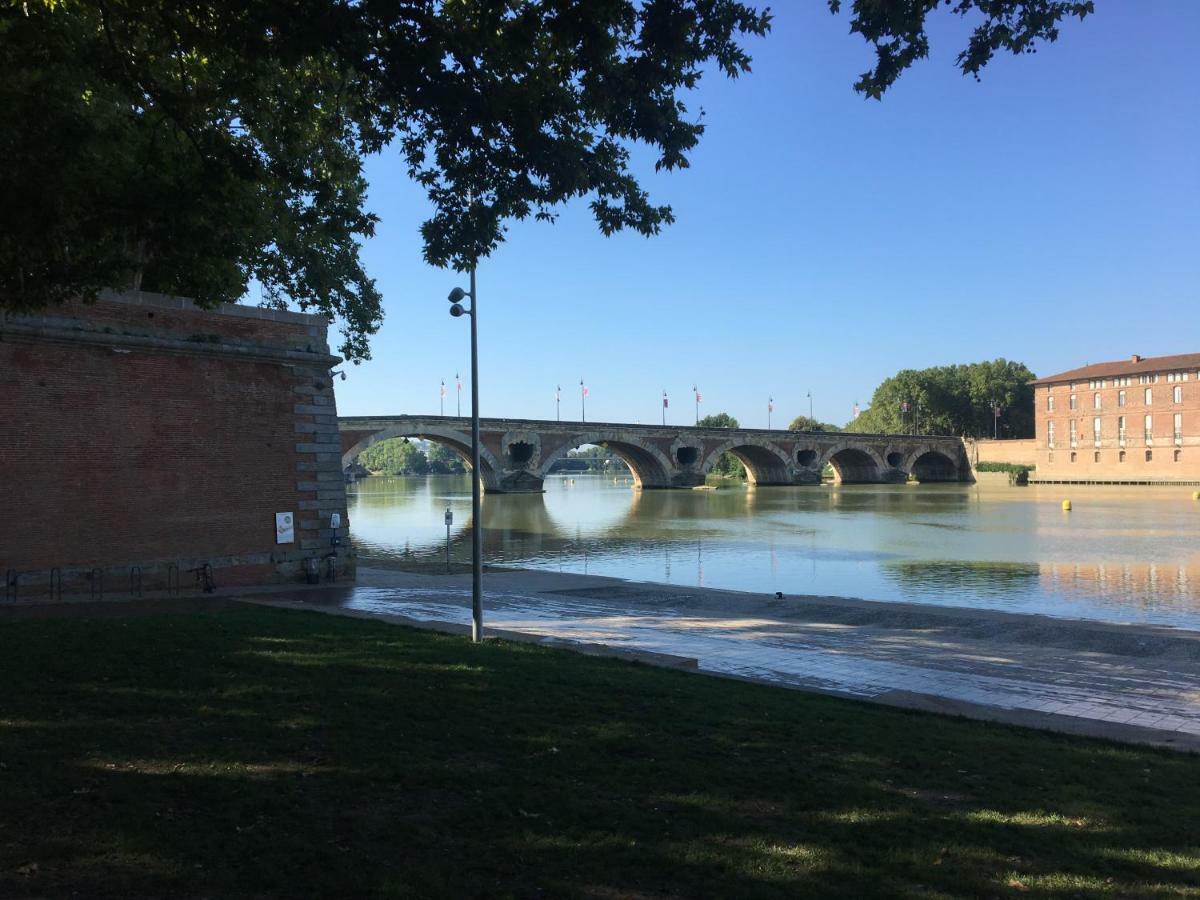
<point>267,752</point>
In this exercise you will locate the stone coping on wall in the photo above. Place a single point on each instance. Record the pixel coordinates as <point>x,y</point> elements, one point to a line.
<point>166,301</point>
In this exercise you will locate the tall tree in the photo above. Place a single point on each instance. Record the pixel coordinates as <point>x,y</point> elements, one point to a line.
<point>807,423</point>
<point>952,400</point>
<point>204,147</point>
<point>727,465</point>
<point>718,420</point>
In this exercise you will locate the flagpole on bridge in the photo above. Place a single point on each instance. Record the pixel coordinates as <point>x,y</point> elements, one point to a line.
<point>696,391</point>
<point>582,401</point>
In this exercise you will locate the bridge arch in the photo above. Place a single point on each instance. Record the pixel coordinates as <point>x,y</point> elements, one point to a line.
<point>649,465</point>
<point>854,464</point>
<point>928,463</point>
<point>457,441</point>
<point>764,461</point>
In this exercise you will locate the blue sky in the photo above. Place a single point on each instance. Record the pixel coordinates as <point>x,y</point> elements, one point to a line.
<point>1048,214</point>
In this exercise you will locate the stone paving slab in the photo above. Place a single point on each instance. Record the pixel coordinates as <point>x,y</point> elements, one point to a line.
<point>1128,682</point>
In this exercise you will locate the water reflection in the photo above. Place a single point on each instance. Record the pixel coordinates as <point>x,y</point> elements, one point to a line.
<point>1127,554</point>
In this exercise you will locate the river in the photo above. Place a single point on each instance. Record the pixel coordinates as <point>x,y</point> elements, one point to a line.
<point>1123,554</point>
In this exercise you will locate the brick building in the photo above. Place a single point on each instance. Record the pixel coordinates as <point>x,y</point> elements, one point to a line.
<point>1134,421</point>
<point>141,436</point>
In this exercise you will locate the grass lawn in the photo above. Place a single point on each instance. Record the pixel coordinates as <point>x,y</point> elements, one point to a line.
<point>262,752</point>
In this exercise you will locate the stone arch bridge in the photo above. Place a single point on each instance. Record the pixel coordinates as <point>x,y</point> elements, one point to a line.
<point>516,454</point>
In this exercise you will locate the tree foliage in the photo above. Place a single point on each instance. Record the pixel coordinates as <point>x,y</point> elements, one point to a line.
<point>718,420</point>
<point>443,461</point>
<point>206,147</point>
<point>952,400</point>
<point>805,423</point>
<point>727,465</point>
<point>395,456</point>
<point>198,148</point>
<point>897,32</point>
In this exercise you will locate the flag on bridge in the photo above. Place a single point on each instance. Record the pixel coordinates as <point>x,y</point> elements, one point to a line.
<point>583,388</point>
<point>770,404</point>
<point>459,382</point>
<point>443,389</point>
<point>558,392</point>
<point>698,397</point>
<point>856,410</point>
<point>664,399</point>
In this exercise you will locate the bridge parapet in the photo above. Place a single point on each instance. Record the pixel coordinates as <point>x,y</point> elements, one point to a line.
<point>516,454</point>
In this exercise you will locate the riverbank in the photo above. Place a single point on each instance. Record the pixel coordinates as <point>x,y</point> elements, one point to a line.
<point>263,752</point>
<point>1136,683</point>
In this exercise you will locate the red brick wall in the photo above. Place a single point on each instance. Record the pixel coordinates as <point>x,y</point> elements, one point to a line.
<point>141,431</point>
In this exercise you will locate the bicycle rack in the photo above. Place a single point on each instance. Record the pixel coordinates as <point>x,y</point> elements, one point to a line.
<point>135,581</point>
<point>56,584</point>
<point>173,580</point>
<point>12,580</point>
<point>96,584</point>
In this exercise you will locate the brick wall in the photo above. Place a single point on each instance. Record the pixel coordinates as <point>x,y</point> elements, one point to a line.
<point>142,431</point>
<point>1020,452</point>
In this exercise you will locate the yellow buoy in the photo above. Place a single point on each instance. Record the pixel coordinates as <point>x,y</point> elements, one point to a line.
<point>1066,506</point>
<point>1196,495</point>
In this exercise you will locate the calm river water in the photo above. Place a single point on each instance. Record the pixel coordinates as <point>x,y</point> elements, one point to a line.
<point>1128,554</point>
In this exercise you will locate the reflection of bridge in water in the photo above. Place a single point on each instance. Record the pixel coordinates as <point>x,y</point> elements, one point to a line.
<point>517,454</point>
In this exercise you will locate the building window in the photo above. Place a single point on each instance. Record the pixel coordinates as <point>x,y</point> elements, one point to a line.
<point>1050,456</point>
<point>1177,454</point>
<point>1096,456</point>
<point>1072,456</point>
<point>1147,379</point>
<point>1121,456</point>
<point>1074,435</point>
<point>1071,404</point>
<point>1177,394</point>
<point>1149,456</point>
<point>1149,432</point>
<point>1050,403</point>
<point>1121,430</point>
<point>1149,398</point>
<point>1096,431</point>
<point>1050,434</point>
<point>1095,401</point>
<point>1177,428</point>
<point>1121,398</point>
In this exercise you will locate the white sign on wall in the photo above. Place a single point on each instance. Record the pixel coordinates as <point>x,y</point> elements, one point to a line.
<point>285,528</point>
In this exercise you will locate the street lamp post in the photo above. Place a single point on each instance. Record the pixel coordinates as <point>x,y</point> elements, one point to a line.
<point>995,420</point>
<point>456,310</point>
<point>696,391</point>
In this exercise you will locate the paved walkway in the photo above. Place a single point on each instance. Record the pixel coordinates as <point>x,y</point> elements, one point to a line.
<point>1127,682</point>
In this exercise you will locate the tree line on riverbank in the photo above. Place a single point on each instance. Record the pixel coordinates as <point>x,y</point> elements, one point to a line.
<point>399,456</point>
<point>958,399</point>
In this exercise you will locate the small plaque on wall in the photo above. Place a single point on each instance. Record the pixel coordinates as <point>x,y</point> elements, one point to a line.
<point>285,528</point>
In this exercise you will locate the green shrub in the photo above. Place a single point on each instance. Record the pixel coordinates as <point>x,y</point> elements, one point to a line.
<point>1011,468</point>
